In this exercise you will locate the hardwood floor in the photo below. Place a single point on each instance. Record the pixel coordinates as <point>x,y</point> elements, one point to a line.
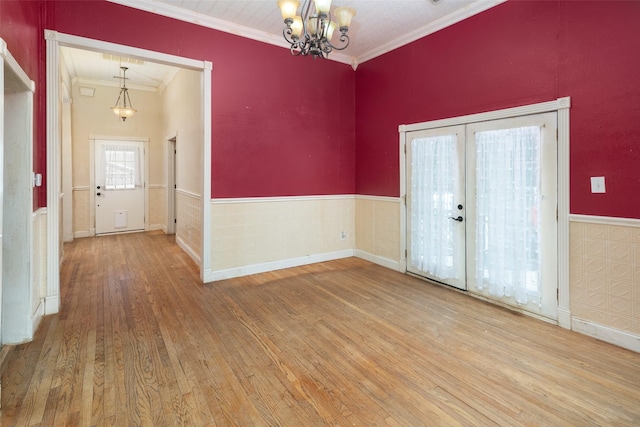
<point>139,341</point>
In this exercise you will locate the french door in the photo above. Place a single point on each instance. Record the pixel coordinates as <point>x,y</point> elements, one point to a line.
<point>481,209</point>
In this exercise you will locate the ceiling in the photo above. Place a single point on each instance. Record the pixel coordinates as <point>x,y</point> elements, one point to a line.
<point>378,27</point>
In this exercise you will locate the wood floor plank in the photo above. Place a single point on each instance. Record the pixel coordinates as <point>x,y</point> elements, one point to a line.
<point>139,341</point>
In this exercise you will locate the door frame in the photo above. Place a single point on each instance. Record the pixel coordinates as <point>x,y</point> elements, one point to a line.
<point>562,107</point>
<point>54,40</point>
<point>92,176</point>
<point>171,183</point>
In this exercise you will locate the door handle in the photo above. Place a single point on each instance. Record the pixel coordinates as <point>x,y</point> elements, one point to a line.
<point>459,219</point>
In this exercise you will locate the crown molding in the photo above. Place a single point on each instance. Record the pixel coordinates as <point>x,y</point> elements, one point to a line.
<point>181,14</point>
<point>432,27</point>
<point>98,82</point>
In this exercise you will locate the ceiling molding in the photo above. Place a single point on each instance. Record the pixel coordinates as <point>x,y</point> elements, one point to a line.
<point>170,11</point>
<point>96,82</point>
<point>167,80</point>
<point>180,14</point>
<point>437,25</point>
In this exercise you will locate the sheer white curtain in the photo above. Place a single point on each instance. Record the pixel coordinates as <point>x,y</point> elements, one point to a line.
<point>507,206</point>
<point>121,166</point>
<point>434,172</point>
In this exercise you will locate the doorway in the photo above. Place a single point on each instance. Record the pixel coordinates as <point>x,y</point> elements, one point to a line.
<point>481,209</point>
<point>54,41</point>
<point>171,184</point>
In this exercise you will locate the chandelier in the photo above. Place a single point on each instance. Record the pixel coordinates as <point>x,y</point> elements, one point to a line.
<point>121,109</point>
<point>310,33</point>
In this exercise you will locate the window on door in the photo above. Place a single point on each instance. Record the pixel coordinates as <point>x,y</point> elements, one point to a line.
<point>121,167</point>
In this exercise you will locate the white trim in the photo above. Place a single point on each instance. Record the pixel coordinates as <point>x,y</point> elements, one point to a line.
<point>36,316</point>
<point>607,334</point>
<point>54,174</point>
<point>188,193</point>
<point>154,227</point>
<point>11,62</point>
<point>185,247</point>
<point>564,191</point>
<point>542,107</point>
<point>61,39</point>
<point>106,83</point>
<point>605,220</point>
<point>561,106</point>
<point>403,198</point>
<point>432,27</point>
<point>170,11</point>
<point>225,201</point>
<point>170,177</point>
<point>84,233</point>
<point>82,188</point>
<point>377,198</point>
<point>206,237</point>
<point>119,138</point>
<point>246,270</point>
<point>382,261</point>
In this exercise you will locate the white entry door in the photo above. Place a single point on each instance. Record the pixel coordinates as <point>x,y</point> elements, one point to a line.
<point>119,186</point>
<point>481,209</point>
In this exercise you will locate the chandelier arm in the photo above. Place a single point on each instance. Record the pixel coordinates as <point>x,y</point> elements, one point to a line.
<point>286,33</point>
<point>118,100</point>
<point>126,97</point>
<point>295,52</point>
<point>344,38</point>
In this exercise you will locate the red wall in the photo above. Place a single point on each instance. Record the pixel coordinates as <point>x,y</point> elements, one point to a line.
<point>21,29</point>
<point>517,53</point>
<point>272,133</point>
<point>273,137</point>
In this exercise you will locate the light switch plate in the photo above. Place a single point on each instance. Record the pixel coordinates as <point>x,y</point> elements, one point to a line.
<point>597,184</point>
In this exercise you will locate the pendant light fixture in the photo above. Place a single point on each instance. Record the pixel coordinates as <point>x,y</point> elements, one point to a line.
<point>310,32</point>
<point>123,107</point>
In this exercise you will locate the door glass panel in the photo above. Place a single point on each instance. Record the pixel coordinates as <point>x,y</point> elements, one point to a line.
<point>121,167</point>
<point>507,213</point>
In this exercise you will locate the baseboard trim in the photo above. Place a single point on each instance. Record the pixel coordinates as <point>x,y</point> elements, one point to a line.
<point>384,262</point>
<point>37,317</point>
<point>230,273</point>
<point>51,304</point>
<point>605,333</point>
<point>564,318</point>
<point>81,234</point>
<point>183,245</point>
<point>155,227</point>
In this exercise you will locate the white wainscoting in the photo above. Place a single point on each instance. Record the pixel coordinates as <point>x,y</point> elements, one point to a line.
<point>378,238</point>
<point>157,207</point>
<point>253,235</point>
<point>189,223</point>
<point>82,218</point>
<point>604,277</point>
<point>38,267</point>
